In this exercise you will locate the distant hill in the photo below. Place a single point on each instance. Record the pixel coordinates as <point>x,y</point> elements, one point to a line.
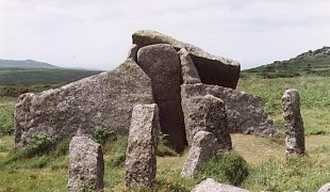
<point>29,72</point>
<point>315,62</point>
<point>25,64</point>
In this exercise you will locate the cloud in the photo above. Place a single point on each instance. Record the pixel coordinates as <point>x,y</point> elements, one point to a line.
<point>97,33</point>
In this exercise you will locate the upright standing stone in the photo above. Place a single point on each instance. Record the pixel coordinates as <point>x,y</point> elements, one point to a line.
<point>142,143</point>
<point>294,130</point>
<point>204,148</point>
<point>162,64</point>
<point>206,113</point>
<point>86,166</point>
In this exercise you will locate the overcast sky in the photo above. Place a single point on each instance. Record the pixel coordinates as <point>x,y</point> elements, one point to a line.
<point>97,33</point>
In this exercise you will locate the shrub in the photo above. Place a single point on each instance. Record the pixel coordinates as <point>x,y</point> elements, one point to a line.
<point>103,134</point>
<point>162,146</point>
<point>228,167</point>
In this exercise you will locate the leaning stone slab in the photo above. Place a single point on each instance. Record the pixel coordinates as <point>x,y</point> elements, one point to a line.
<point>203,148</point>
<point>211,68</point>
<point>210,185</point>
<point>189,72</point>
<point>206,113</point>
<point>86,166</point>
<point>294,129</point>
<point>162,64</point>
<point>104,100</point>
<point>245,112</point>
<point>325,188</point>
<point>142,142</point>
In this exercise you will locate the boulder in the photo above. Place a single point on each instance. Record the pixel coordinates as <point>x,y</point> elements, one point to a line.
<point>86,166</point>
<point>189,72</point>
<point>162,64</point>
<point>204,148</point>
<point>105,100</point>
<point>245,113</point>
<point>142,143</point>
<point>206,113</point>
<point>210,185</point>
<point>325,188</point>
<point>212,69</point>
<point>293,124</point>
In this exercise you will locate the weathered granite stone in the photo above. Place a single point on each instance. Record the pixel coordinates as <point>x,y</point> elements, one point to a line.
<point>203,148</point>
<point>132,54</point>
<point>294,129</point>
<point>189,72</point>
<point>206,113</point>
<point>142,143</point>
<point>210,185</point>
<point>325,188</point>
<point>245,113</point>
<point>105,100</point>
<point>212,69</point>
<point>161,63</point>
<point>86,166</point>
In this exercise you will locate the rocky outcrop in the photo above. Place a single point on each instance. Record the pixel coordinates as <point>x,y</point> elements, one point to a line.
<point>86,166</point>
<point>245,113</point>
<point>142,143</point>
<point>105,100</point>
<point>206,113</point>
<point>294,129</point>
<point>210,185</point>
<point>162,64</point>
<point>204,148</point>
<point>212,69</point>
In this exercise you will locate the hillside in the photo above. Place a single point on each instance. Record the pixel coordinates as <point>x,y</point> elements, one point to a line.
<point>25,64</point>
<point>315,62</point>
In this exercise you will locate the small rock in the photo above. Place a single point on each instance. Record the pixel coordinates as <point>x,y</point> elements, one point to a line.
<point>325,188</point>
<point>210,185</point>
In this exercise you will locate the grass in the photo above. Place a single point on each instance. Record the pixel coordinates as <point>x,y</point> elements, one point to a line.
<point>267,166</point>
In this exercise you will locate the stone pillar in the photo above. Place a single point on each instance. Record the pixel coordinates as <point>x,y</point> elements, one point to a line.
<point>142,142</point>
<point>86,166</point>
<point>204,148</point>
<point>206,113</point>
<point>294,130</point>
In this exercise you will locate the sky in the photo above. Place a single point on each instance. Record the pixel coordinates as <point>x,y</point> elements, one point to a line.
<point>96,34</point>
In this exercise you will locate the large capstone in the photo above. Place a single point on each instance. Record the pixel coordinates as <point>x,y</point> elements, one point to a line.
<point>86,166</point>
<point>245,113</point>
<point>162,64</point>
<point>294,129</point>
<point>103,100</point>
<point>212,69</point>
<point>142,143</point>
<point>206,113</point>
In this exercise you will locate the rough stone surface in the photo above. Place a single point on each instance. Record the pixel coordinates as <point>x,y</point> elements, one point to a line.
<point>325,188</point>
<point>294,129</point>
<point>210,185</point>
<point>132,54</point>
<point>189,72</point>
<point>162,64</point>
<point>86,166</point>
<point>203,148</point>
<point>142,142</point>
<point>206,113</point>
<point>212,69</point>
<point>245,113</point>
<point>105,100</point>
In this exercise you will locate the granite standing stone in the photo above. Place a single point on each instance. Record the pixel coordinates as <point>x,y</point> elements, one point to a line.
<point>294,129</point>
<point>86,166</point>
<point>142,143</point>
<point>162,64</point>
<point>203,148</point>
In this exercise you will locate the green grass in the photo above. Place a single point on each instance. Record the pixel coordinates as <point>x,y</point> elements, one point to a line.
<point>267,166</point>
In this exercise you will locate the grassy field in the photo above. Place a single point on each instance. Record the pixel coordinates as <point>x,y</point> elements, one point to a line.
<point>267,165</point>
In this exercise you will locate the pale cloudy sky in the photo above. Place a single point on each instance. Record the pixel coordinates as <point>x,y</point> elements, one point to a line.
<point>97,33</point>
